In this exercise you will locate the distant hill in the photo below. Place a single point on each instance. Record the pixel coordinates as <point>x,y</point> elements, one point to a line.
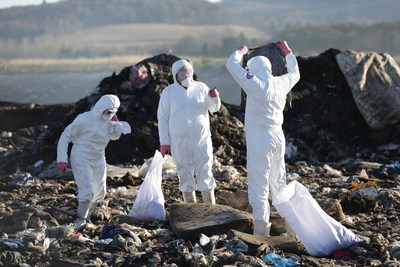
<point>154,38</point>
<point>195,27</point>
<point>68,16</point>
<point>272,15</point>
<point>71,15</point>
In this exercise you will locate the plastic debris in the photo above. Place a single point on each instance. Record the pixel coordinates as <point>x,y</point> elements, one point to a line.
<point>38,163</point>
<point>40,248</point>
<point>236,245</point>
<point>368,190</point>
<point>331,171</point>
<point>291,150</point>
<point>278,261</point>
<point>102,243</point>
<point>59,231</point>
<point>35,234</point>
<point>342,255</point>
<point>22,179</point>
<point>353,178</point>
<point>12,243</point>
<point>292,176</point>
<point>111,231</point>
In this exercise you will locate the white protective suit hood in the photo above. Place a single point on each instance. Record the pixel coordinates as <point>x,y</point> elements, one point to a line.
<point>106,102</point>
<point>178,65</point>
<point>260,66</point>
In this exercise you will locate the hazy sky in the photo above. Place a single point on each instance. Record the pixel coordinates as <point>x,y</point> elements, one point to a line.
<point>9,3</point>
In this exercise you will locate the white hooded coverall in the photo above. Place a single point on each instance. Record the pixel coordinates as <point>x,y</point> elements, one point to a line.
<point>266,99</point>
<point>89,133</point>
<point>183,123</point>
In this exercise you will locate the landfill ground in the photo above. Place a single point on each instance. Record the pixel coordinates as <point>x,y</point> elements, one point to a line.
<point>352,171</point>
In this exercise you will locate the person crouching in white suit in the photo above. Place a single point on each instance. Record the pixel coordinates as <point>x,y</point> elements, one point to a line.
<point>90,133</point>
<point>266,99</point>
<point>184,131</point>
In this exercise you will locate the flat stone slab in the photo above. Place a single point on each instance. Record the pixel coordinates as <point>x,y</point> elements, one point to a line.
<point>257,243</point>
<point>187,221</point>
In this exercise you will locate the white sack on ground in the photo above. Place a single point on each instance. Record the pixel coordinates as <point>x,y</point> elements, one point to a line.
<point>318,232</point>
<point>149,204</point>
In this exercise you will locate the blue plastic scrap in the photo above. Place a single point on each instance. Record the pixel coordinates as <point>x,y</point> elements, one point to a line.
<point>110,231</point>
<point>12,243</point>
<point>278,261</point>
<point>353,178</point>
<point>22,179</point>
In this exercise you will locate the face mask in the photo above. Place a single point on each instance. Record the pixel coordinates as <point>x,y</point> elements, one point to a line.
<point>183,73</point>
<point>107,115</point>
<point>186,82</point>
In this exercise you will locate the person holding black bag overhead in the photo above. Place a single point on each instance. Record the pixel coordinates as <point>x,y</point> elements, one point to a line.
<point>266,98</point>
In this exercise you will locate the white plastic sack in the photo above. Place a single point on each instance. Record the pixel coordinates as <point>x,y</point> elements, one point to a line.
<point>318,232</point>
<point>149,203</point>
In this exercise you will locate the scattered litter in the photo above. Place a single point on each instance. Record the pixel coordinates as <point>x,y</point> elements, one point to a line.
<point>368,190</point>
<point>12,244</point>
<point>291,150</point>
<point>278,261</point>
<point>38,163</point>
<point>22,179</point>
<point>40,248</point>
<point>237,245</point>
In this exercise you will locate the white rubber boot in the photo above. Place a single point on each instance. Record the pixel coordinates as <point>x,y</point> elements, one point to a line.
<point>83,211</point>
<point>189,197</point>
<point>208,196</point>
<point>92,207</point>
<point>261,228</point>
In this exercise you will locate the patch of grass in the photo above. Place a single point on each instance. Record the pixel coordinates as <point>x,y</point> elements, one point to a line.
<point>44,65</point>
<point>114,63</point>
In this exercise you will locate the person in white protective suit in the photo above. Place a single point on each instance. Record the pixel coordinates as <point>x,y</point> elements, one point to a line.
<point>90,133</point>
<point>184,131</point>
<point>266,99</point>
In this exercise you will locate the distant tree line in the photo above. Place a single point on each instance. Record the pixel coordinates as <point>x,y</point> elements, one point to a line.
<point>192,46</point>
<point>378,37</point>
<point>305,40</point>
<point>308,39</point>
<point>20,23</point>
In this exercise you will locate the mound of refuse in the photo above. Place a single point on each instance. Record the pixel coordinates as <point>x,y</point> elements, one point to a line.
<point>324,123</point>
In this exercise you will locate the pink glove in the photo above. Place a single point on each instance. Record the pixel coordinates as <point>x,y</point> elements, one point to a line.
<point>243,49</point>
<point>62,166</point>
<point>284,47</point>
<point>115,118</point>
<point>165,149</point>
<point>213,92</point>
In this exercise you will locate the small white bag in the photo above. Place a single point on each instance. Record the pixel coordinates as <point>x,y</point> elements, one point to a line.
<point>320,234</point>
<point>149,203</point>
